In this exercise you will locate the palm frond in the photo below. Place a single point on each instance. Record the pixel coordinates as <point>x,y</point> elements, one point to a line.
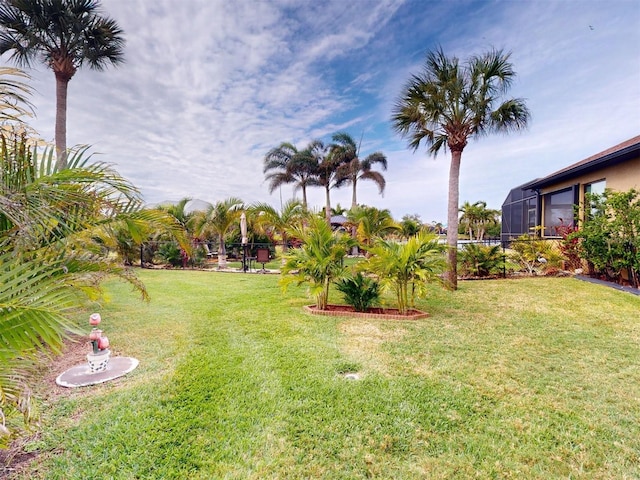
<point>35,304</point>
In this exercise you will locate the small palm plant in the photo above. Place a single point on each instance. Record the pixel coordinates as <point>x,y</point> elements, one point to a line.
<point>318,261</point>
<point>535,255</point>
<point>406,268</point>
<point>480,260</point>
<point>360,291</point>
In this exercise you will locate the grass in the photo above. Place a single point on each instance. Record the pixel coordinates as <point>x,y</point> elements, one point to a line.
<point>534,378</point>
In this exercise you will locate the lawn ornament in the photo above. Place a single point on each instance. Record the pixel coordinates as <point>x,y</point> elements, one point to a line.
<point>101,367</point>
<point>98,358</point>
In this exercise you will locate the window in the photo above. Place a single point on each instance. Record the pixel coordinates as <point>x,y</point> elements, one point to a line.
<point>558,210</point>
<point>532,214</point>
<point>594,188</point>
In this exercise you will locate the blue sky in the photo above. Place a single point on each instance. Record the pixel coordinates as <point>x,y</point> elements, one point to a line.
<point>209,86</point>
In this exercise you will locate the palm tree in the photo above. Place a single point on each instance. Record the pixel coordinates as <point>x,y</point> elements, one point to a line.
<point>338,210</point>
<point>469,217</point>
<point>273,222</point>
<point>405,268</point>
<point>446,105</point>
<point>64,35</point>
<point>487,218</point>
<point>353,168</point>
<point>327,160</point>
<point>438,227</point>
<point>410,225</point>
<point>179,212</point>
<point>476,218</point>
<point>372,223</point>
<point>286,165</point>
<point>319,260</point>
<point>218,220</point>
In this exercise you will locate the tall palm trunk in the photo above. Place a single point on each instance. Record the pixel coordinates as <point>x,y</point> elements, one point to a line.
<point>354,200</point>
<point>222,253</point>
<point>304,197</point>
<point>354,228</point>
<point>328,205</point>
<point>62,83</point>
<point>452,220</point>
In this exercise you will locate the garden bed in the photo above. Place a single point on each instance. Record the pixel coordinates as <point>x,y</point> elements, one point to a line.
<point>374,312</point>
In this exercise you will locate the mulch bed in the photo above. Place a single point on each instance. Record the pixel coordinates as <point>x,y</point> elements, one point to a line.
<point>372,313</point>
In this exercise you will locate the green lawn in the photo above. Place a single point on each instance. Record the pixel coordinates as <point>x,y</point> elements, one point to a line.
<point>531,378</point>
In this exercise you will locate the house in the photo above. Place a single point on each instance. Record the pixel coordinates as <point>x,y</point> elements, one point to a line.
<point>551,201</point>
<point>338,222</point>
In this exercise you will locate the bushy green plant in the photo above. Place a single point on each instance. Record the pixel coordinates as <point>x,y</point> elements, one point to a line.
<point>407,267</point>
<point>360,291</point>
<point>169,252</point>
<point>610,236</point>
<point>318,261</point>
<point>480,260</point>
<point>199,255</point>
<point>535,255</point>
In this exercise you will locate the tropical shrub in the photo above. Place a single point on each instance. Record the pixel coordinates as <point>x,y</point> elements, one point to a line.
<point>610,235</point>
<point>569,245</point>
<point>480,260</point>
<point>406,268</point>
<point>371,223</point>
<point>198,256</point>
<point>535,255</point>
<point>318,261</point>
<point>410,225</point>
<point>359,291</point>
<point>169,252</point>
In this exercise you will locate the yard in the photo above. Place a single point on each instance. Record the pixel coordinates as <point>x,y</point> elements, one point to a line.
<point>531,378</point>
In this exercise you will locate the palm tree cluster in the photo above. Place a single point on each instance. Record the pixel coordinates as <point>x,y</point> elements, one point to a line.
<point>476,218</point>
<point>216,226</point>
<point>318,261</point>
<point>403,267</point>
<point>321,165</point>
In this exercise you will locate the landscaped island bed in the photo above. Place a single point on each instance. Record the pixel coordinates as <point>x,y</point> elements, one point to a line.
<point>535,378</point>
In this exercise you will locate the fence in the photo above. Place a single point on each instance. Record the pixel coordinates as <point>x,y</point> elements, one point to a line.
<point>202,250</point>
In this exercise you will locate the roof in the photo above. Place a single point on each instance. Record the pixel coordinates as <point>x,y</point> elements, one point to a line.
<point>622,152</point>
<point>338,220</point>
<point>518,194</point>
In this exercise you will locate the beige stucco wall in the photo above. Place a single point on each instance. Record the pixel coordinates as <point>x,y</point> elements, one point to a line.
<point>621,177</point>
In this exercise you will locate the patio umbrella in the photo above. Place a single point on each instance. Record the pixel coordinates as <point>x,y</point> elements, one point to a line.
<point>243,231</point>
<point>243,228</point>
